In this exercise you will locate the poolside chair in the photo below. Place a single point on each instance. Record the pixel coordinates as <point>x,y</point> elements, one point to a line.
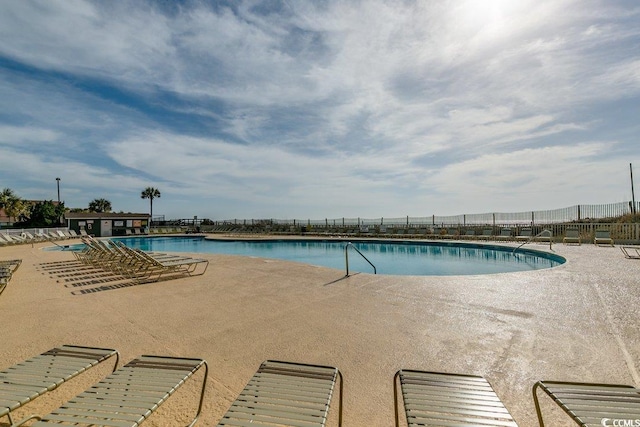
<point>571,235</point>
<point>631,252</point>
<point>285,393</point>
<point>470,234</point>
<point>9,239</point>
<point>129,395</point>
<point>12,264</point>
<point>144,267</point>
<point>7,268</point>
<point>4,280</point>
<point>545,236</point>
<point>31,238</point>
<point>603,237</point>
<point>32,378</point>
<point>525,234</point>
<point>5,239</point>
<point>442,399</point>
<point>590,404</point>
<point>505,234</point>
<point>42,236</point>
<point>452,233</point>
<point>487,234</point>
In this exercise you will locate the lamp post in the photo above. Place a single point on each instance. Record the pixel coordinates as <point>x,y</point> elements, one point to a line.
<point>58,183</point>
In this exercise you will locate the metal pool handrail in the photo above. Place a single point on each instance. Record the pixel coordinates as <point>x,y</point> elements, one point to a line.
<point>346,258</point>
<point>545,231</point>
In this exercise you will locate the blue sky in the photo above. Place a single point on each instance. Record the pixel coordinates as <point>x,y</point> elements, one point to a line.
<point>321,109</point>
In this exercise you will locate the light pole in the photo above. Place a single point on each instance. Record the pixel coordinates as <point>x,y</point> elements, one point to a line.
<point>58,183</point>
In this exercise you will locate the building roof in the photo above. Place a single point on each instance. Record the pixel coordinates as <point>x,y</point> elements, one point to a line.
<point>98,215</point>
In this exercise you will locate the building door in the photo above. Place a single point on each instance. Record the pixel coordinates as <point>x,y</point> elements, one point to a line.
<point>105,228</point>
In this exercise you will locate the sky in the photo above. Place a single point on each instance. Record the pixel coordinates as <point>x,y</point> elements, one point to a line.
<point>320,109</point>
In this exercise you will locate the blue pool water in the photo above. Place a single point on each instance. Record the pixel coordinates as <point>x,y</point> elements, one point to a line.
<point>395,258</point>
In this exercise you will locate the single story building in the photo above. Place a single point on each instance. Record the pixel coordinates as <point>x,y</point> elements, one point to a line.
<point>106,224</point>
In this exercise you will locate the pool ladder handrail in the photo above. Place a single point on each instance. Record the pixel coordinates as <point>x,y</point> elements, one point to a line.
<point>545,231</point>
<point>346,258</point>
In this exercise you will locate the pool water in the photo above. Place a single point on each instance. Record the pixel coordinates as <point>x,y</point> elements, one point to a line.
<point>393,258</point>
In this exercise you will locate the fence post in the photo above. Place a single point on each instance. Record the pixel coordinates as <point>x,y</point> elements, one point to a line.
<point>578,212</point>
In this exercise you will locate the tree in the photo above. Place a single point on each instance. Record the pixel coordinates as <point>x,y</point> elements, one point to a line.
<point>150,193</point>
<point>100,205</point>
<point>45,214</point>
<point>13,205</point>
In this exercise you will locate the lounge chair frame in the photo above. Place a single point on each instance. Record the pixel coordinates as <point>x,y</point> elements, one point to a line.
<point>25,381</point>
<point>130,394</point>
<point>286,393</point>
<point>588,404</point>
<point>7,268</point>
<point>443,399</point>
<point>627,251</point>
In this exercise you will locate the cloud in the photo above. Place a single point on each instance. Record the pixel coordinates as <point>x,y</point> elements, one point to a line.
<point>21,137</point>
<point>339,106</point>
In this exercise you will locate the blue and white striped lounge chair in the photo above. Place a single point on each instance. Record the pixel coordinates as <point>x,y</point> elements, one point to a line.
<point>288,394</point>
<point>442,399</point>
<point>129,395</point>
<point>22,383</point>
<point>590,404</point>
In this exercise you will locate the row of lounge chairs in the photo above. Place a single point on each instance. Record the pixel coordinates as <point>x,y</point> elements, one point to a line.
<point>7,268</point>
<point>166,230</point>
<point>443,399</point>
<point>524,234</point>
<point>124,398</point>
<point>601,237</point>
<point>285,393</point>
<point>28,237</point>
<point>135,264</point>
<point>134,232</point>
<point>572,235</point>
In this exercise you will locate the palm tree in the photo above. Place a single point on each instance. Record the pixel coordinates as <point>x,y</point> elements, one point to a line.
<point>12,204</point>
<point>100,205</point>
<point>150,193</point>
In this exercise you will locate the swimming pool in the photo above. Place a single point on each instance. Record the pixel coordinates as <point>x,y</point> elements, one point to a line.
<point>392,258</point>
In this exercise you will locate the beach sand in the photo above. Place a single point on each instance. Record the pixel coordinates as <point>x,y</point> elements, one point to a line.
<point>577,322</point>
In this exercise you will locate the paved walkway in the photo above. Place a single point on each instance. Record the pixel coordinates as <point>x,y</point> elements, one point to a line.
<point>577,322</point>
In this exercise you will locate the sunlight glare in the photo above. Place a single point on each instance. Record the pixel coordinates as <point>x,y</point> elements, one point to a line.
<point>488,18</point>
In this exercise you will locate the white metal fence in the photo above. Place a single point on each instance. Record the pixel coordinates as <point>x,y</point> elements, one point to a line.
<point>555,216</point>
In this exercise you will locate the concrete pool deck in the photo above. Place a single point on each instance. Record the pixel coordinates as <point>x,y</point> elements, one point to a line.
<point>576,322</point>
